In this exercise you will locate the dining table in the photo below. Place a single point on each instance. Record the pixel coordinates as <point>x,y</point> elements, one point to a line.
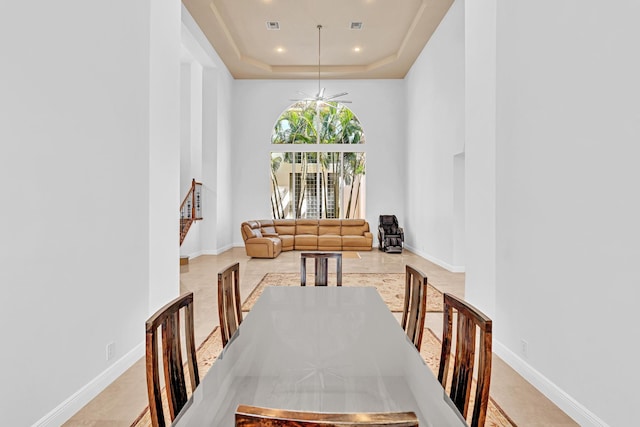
<point>320,349</point>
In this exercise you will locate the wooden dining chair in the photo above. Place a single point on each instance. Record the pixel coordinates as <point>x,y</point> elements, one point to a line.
<point>472,326</point>
<point>322,267</point>
<point>229,301</point>
<point>415,304</point>
<point>254,416</point>
<point>165,325</point>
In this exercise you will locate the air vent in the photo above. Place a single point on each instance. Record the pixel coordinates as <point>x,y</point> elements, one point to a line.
<point>273,25</point>
<point>356,25</point>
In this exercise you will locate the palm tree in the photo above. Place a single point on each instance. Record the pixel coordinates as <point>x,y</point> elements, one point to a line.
<point>353,169</point>
<point>277,207</point>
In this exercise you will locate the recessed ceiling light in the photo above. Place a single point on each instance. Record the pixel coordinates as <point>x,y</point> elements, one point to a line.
<point>273,25</point>
<point>356,49</point>
<point>279,49</point>
<point>356,25</point>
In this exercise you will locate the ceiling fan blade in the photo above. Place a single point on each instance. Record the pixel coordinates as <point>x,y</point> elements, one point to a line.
<point>307,99</point>
<point>337,95</point>
<point>331,103</point>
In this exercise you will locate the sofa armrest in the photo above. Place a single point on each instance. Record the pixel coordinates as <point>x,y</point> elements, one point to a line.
<point>265,240</point>
<point>262,247</point>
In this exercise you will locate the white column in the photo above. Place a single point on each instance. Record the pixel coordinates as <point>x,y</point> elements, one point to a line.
<point>480,153</point>
<point>164,152</point>
<point>209,143</point>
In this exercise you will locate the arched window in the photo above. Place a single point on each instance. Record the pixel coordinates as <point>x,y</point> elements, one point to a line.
<point>318,175</point>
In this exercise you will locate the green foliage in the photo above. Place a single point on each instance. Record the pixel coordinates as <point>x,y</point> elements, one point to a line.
<point>317,122</point>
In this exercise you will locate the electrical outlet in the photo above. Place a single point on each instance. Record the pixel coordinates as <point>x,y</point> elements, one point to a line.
<point>111,350</point>
<point>524,348</point>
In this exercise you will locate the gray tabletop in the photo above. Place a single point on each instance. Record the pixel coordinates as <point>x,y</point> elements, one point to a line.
<point>325,349</point>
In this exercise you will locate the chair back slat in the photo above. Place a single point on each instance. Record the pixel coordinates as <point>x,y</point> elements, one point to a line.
<point>172,358</point>
<point>153,380</point>
<point>163,330</point>
<point>229,309</point>
<point>415,304</point>
<point>462,377</point>
<point>471,325</point>
<point>190,338</point>
<point>321,267</point>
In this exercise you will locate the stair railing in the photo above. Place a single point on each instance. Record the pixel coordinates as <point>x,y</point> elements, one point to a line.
<point>190,209</point>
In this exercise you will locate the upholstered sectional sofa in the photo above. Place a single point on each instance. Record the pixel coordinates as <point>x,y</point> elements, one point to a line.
<point>267,238</point>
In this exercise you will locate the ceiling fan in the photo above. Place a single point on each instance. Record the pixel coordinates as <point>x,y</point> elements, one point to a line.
<point>319,97</point>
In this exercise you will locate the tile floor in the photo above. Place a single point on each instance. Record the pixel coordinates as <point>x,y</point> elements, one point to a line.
<point>121,402</point>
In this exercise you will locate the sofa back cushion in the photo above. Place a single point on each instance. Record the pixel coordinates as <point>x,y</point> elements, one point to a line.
<point>329,226</point>
<point>307,226</point>
<point>354,227</point>
<point>249,229</point>
<point>285,226</point>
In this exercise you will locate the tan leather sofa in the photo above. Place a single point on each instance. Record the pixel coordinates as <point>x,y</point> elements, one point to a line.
<point>267,238</point>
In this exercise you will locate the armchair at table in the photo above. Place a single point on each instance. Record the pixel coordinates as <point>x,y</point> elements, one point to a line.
<point>390,234</point>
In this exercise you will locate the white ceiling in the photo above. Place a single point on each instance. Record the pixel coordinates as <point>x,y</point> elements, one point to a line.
<point>393,34</point>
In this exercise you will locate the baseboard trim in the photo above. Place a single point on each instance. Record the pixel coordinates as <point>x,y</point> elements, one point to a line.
<point>568,404</point>
<point>451,268</point>
<point>75,402</point>
<point>216,251</point>
<point>193,255</point>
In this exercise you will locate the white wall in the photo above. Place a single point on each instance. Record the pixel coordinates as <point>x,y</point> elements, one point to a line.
<point>206,143</point>
<point>435,134</point>
<point>257,104</point>
<point>76,179</point>
<point>551,118</point>
<point>568,132</point>
<point>209,160</point>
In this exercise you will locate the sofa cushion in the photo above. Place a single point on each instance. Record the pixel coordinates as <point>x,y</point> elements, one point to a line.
<point>329,242</point>
<point>306,226</point>
<point>285,226</point>
<point>287,242</point>
<point>356,242</point>
<point>354,227</point>
<point>306,241</point>
<point>329,226</point>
